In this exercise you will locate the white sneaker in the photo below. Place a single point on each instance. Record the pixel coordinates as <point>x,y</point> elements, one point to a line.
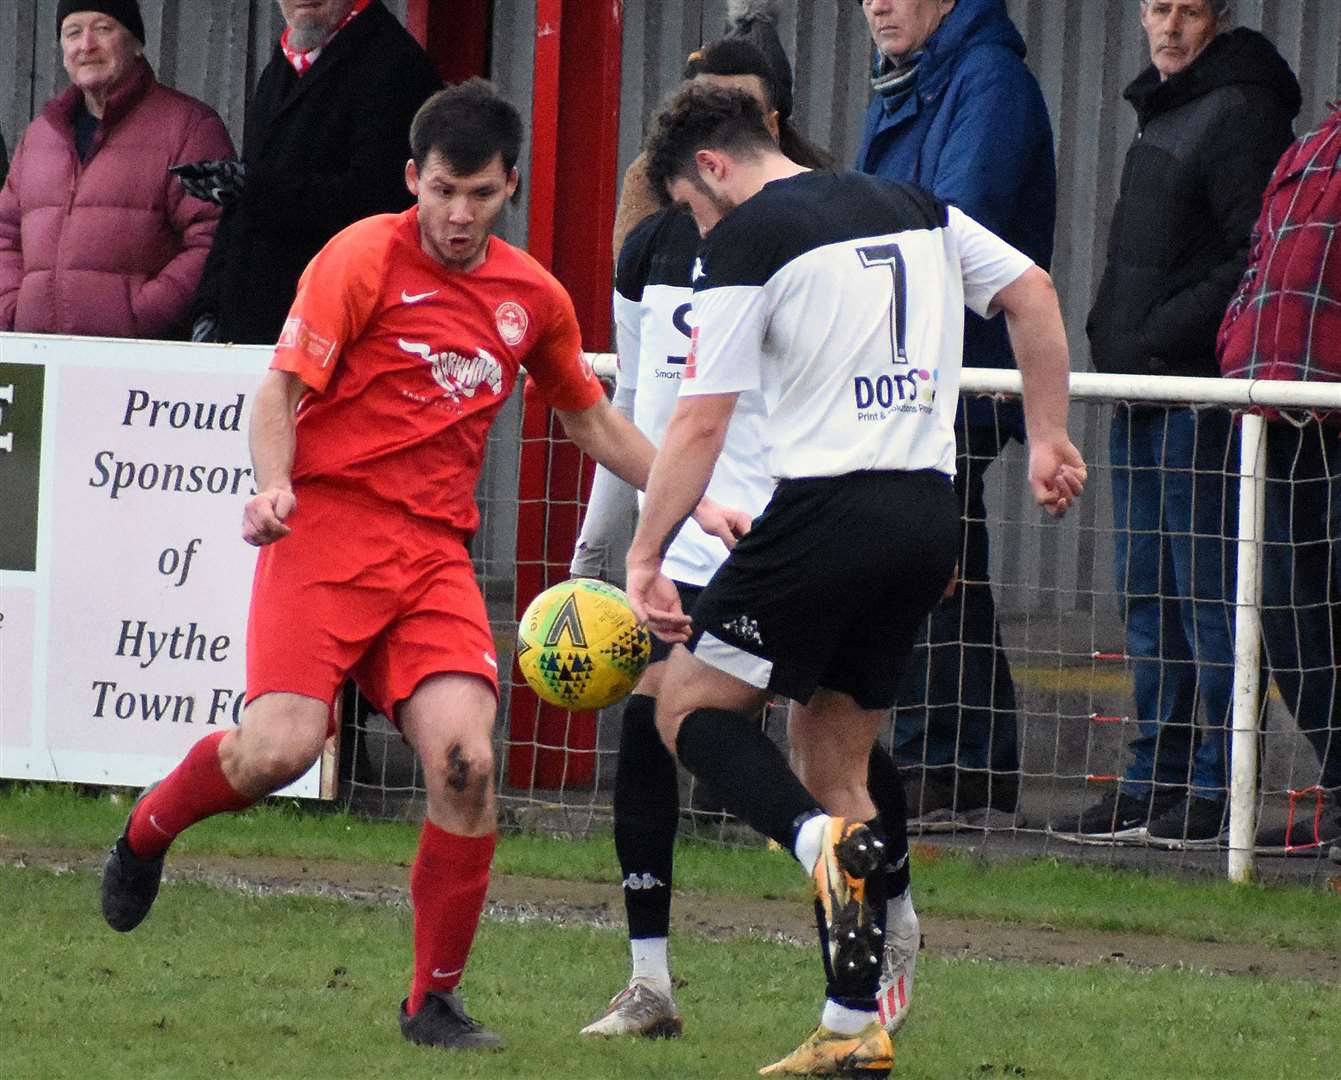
<point>898,968</point>
<point>638,1009</point>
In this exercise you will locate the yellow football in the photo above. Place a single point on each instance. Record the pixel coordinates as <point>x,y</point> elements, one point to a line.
<point>579,645</point>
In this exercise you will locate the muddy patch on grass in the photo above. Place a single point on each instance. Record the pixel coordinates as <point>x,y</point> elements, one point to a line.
<point>577,903</point>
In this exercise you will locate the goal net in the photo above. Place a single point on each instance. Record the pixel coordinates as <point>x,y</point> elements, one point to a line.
<point>1078,659</point>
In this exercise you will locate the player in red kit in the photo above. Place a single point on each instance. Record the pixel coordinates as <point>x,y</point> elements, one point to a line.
<point>407,335</point>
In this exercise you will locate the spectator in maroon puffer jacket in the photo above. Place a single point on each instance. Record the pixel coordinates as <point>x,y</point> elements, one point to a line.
<point>95,236</point>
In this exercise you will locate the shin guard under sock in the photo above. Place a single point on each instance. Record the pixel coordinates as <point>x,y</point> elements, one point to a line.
<point>741,764</point>
<point>194,790</point>
<point>448,885</point>
<point>856,991</point>
<point>647,811</point>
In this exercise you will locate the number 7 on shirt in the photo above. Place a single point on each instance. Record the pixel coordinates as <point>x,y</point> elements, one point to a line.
<point>890,255</point>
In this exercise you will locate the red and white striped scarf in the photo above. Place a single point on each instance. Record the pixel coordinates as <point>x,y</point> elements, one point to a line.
<point>303,59</point>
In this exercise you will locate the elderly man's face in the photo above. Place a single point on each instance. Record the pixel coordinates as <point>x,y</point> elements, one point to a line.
<point>1179,31</point>
<point>310,22</point>
<point>900,27</point>
<point>97,50</point>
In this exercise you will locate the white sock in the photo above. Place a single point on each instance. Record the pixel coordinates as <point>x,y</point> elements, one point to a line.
<point>810,840</point>
<point>900,918</point>
<point>846,1021</point>
<point>650,963</point>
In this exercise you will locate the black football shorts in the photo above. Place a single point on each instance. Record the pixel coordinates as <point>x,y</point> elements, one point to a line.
<point>831,585</point>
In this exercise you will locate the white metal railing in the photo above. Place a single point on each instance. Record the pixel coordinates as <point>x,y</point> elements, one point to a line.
<point>1247,395</point>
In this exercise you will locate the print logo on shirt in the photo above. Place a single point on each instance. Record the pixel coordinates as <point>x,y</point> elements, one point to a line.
<point>512,322</point>
<point>459,376</point>
<point>884,396</point>
<point>300,336</point>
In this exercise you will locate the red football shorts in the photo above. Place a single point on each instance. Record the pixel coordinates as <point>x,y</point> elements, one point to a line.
<point>364,592</point>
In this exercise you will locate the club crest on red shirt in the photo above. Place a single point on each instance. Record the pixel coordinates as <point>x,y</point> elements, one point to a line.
<point>512,322</point>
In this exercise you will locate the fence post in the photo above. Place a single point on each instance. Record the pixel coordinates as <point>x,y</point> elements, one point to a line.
<point>1247,649</point>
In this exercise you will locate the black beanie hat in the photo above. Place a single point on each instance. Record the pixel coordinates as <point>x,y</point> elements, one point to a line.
<point>126,12</point>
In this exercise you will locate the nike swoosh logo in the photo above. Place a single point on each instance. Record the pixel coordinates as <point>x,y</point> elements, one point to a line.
<point>446,974</point>
<point>414,298</point>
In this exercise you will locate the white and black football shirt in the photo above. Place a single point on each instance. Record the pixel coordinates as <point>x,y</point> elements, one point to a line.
<point>653,304</point>
<point>840,296</point>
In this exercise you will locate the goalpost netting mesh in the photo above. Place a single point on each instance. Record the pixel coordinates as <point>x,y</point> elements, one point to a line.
<point>1025,695</point>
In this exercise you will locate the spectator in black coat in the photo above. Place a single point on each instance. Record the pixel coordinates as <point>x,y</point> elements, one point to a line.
<point>4,159</point>
<point>1214,110</point>
<point>326,141</point>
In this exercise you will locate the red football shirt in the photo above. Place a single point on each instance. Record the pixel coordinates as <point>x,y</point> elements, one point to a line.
<point>409,362</point>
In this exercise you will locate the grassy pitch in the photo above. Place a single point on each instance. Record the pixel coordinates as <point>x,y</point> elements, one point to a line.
<point>222,984</point>
<point>225,982</point>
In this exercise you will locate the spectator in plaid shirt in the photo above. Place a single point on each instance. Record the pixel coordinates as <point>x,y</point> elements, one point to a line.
<point>1285,323</point>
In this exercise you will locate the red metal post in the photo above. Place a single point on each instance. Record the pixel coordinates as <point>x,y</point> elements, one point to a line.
<point>576,93</point>
<point>455,33</point>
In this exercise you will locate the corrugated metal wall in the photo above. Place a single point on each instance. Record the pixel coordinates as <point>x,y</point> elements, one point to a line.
<point>1083,51</point>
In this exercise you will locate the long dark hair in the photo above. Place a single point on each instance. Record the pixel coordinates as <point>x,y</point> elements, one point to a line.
<point>735,55</point>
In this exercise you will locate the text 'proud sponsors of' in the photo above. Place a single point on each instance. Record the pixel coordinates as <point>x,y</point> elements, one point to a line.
<point>144,575</point>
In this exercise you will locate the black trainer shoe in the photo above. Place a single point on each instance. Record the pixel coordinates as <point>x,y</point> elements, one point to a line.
<point>1306,836</point>
<point>927,791</point>
<point>1189,823</point>
<point>129,886</point>
<point>1114,818</point>
<point>129,883</point>
<point>442,1021</point>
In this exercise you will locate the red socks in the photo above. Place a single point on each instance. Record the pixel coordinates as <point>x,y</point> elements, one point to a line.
<point>194,790</point>
<point>447,887</point>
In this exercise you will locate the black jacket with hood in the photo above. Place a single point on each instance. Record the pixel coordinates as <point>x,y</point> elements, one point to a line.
<point>1206,143</point>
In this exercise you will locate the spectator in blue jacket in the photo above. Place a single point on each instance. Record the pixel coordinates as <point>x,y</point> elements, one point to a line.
<point>956,111</point>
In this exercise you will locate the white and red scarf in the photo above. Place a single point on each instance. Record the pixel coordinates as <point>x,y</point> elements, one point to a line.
<point>303,59</point>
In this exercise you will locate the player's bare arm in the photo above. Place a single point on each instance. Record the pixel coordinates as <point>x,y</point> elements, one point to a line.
<point>272,440</point>
<point>680,475</point>
<point>1057,472</point>
<point>612,439</point>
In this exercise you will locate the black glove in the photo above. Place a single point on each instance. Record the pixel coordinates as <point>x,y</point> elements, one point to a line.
<point>218,182</point>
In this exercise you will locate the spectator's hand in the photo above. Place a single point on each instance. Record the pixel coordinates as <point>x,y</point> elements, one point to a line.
<point>205,329</point>
<point>1057,473</point>
<point>218,182</point>
<point>263,517</point>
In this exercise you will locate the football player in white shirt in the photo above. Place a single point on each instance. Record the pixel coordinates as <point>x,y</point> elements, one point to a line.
<point>653,294</point>
<point>840,298</point>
